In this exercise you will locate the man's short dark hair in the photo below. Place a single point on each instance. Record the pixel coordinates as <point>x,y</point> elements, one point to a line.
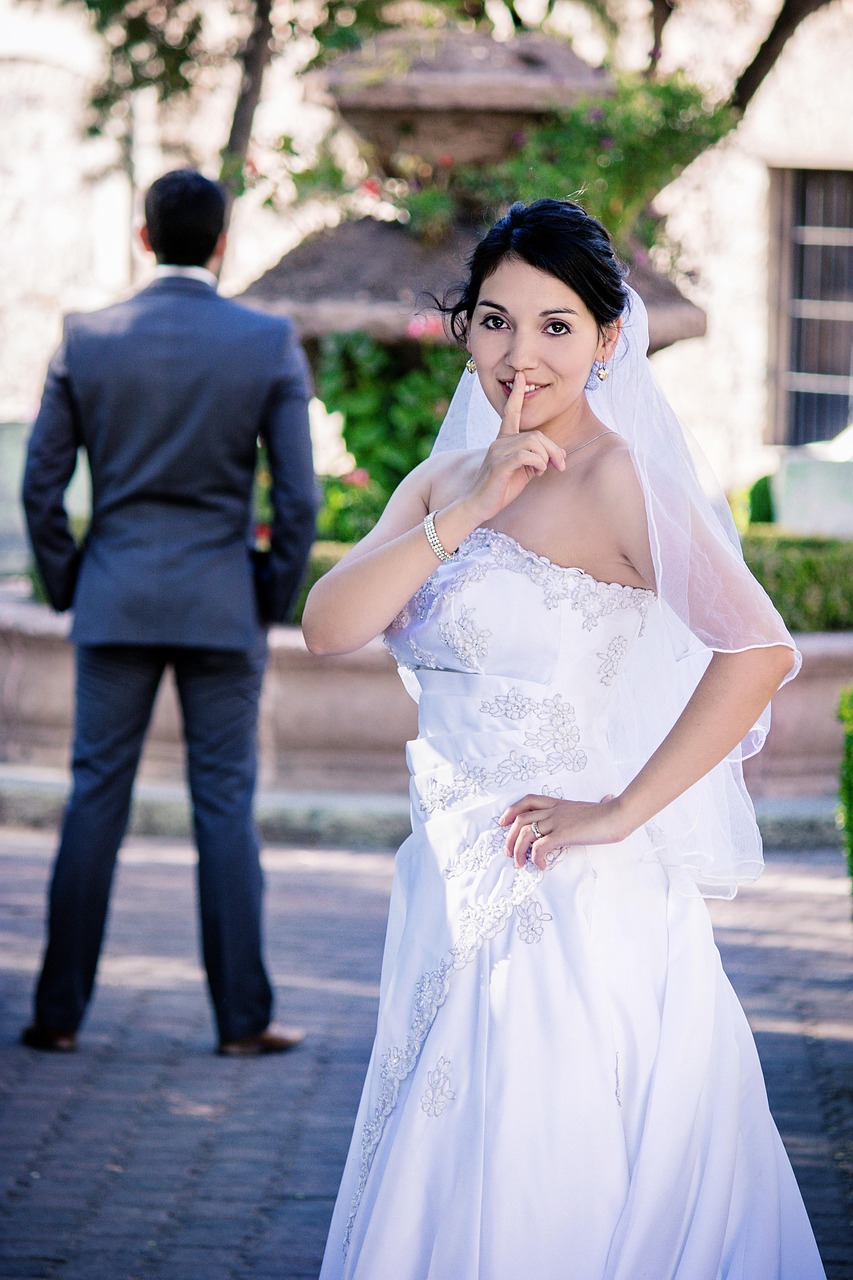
<point>185,215</point>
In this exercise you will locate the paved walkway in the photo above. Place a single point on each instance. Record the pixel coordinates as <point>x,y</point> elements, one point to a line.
<point>145,1157</point>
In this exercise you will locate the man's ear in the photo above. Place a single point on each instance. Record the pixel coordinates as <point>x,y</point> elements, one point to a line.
<point>214,262</point>
<point>145,240</point>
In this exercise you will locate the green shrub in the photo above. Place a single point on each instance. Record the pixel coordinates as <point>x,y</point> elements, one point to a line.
<point>615,153</point>
<point>262,501</point>
<point>845,715</point>
<point>809,579</point>
<point>393,399</point>
<point>78,526</point>
<point>761,502</point>
<point>38,594</point>
<point>351,506</point>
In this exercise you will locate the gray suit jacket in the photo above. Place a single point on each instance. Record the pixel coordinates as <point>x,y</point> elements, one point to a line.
<point>168,393</point>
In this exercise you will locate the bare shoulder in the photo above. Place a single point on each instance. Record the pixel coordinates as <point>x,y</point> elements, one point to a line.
<point>432,472</point>
<point>450,472</point>
<point>612,471</point>
<point>616,490</point>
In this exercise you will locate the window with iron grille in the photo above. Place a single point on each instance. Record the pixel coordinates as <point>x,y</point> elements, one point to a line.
<point>812,298</point>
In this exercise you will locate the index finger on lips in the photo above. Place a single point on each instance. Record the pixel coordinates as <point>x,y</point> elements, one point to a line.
<point>511,420</point>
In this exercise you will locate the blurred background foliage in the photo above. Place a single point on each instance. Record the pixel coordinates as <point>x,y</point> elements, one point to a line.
<point>809,579</point>
<point>181,48</point>
<point>392,398</point>
<point>616,153</point>
<point>613,153</point>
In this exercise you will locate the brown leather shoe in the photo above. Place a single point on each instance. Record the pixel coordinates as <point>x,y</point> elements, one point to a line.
<point>274,1039</point>
<point>48,1040</point>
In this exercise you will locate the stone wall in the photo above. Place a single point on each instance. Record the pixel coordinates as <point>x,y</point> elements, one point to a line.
<point>326,723</point>
<point>341,724</point>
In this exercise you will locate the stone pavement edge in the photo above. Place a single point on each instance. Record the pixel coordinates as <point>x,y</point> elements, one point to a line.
<point>35,797</point>
<point>145,1157</point>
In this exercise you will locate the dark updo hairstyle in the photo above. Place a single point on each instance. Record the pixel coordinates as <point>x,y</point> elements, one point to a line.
<point>554,236</point>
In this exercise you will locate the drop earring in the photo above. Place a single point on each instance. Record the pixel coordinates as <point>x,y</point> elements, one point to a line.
<point>470,365</point>
<point>602,372</point>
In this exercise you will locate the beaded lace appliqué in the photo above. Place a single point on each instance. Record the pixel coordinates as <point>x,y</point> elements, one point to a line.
<point>439,1091</point>
<point>476,856</point>
<point>556,582</point>
<point>597,600</point>
<point>532,918</point>
<point>423,602</point>
<point>471,780</point>
<point>593,598</point>
<point>556,737</point>
<point>478,923</point>
<point>469,642</point>
<point>610,659</point>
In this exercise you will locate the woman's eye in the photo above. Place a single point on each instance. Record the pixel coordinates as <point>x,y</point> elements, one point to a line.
<point>558,327</point>
<point>494,322</point>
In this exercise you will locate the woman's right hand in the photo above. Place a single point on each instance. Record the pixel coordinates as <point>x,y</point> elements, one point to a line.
<point>512,459</point>
<point>361,595</point>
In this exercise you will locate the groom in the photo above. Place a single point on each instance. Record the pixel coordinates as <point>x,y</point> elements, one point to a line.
<point>168,393</point>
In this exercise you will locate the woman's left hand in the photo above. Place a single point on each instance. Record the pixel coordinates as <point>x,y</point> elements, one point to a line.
<point>561,823</point>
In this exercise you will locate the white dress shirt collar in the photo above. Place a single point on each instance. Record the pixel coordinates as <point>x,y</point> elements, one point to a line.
<point>164,271</point>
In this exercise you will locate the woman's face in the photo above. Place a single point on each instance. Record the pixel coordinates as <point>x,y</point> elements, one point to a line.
<point>528,320</point>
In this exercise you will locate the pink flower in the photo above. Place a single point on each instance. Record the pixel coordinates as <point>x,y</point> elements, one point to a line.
<point>445,160</point>
<point>371,187</point>
<point>359,478</point>
<point>421,326</point>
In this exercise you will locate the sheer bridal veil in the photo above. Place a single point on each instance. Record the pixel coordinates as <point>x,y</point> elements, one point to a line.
<point>708,602</point>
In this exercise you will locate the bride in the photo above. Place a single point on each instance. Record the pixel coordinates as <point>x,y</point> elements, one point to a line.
<point>563,1085</point>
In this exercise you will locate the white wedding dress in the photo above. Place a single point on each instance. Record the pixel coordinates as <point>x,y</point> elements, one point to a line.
<point>564,1085</point>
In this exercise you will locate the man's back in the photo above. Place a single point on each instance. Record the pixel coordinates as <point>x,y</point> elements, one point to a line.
<point>169,392</point>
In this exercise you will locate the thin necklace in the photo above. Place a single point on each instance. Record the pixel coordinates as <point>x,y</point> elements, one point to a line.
<point>578,447</point>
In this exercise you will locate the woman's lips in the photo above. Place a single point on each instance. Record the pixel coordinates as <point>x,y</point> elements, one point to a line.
<point>529,390</point>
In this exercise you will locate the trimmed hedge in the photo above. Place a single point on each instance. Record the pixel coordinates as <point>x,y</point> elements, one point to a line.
<point>761,501</point>
<point>810,580</point>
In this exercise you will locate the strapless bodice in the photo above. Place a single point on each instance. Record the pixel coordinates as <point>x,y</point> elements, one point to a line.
<point>497,609</point>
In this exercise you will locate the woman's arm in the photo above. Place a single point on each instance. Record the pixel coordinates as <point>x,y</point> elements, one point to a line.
<point>364,592</point>
<point>726,703</point>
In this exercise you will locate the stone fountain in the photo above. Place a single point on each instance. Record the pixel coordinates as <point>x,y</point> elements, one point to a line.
<point>441,95</point>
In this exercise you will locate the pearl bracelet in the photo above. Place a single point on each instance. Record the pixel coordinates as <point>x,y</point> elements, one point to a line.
<point>434,540</point>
